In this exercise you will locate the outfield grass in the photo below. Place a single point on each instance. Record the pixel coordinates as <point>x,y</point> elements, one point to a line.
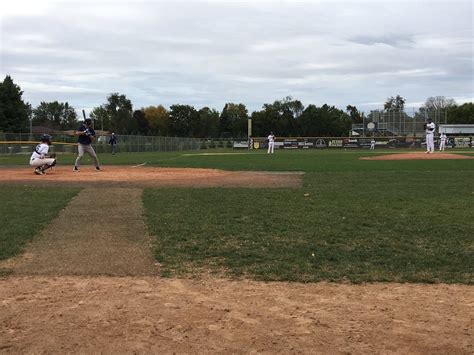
<point>282,160</point>
<point>25,212</point>
<point>408,221</point>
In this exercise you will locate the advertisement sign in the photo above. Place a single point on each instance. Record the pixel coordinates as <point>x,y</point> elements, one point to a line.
<point>462,142</point>
<point>290,143</point>
<point>348,142</point>
<point>351,143</point>
<point>320,143</point>
<point>335,143</point>
<point>241,144</point>
<point>305,144</point>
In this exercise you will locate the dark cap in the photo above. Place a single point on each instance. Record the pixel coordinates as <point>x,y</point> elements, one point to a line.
<point>88,121</point>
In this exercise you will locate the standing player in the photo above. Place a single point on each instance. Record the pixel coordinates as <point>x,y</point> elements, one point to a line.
<point>442,142</point>
<point>271,143</point>
<point>372,143</point>
<point>113,142</point>
<point>429,130</point>
<point>86,135</point>
<point>40,158</point>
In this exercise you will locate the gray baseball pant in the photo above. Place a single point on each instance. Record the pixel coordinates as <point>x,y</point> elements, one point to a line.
<point>81,149</point>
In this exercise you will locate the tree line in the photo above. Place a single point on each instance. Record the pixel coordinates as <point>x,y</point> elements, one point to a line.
<point>287,117</point>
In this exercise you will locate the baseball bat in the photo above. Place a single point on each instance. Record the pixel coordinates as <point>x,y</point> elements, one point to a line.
<point>84,114</point>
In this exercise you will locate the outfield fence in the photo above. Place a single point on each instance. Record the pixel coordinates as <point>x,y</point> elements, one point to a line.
<point>23,143</point>
<point>353,142</point>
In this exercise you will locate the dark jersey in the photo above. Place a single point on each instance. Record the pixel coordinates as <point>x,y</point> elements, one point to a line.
<point>86,138</point>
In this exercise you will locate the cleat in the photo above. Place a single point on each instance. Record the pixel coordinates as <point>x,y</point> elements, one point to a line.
<point>76,169</point>
<point>97,168</point>
<point>38,171</point>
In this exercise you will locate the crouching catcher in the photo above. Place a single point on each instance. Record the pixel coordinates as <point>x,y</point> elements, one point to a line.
<point>40,159</point>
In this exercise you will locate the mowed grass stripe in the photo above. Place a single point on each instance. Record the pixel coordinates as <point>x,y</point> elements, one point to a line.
<point>100,232</point>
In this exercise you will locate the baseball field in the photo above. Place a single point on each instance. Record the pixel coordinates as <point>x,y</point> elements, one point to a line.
<point>237,251</point>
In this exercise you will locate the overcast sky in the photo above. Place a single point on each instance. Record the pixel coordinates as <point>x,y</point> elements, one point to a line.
<point>207,53</point>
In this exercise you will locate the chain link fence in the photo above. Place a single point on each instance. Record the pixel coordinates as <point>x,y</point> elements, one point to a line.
<point>14,143</point>
<point>394,123</point>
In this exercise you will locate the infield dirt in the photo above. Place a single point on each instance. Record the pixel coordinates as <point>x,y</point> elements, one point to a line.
<point>418,156</point>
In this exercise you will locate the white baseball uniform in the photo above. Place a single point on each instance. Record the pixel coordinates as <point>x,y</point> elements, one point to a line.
<point>430,129</point>
<point>372,144</point>
<point>271,144</point>
<point>442,142</point>
<point>38,159</point>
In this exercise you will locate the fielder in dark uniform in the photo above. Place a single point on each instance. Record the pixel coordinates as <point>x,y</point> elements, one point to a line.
<point>86,135</point>
<point>113,142</point>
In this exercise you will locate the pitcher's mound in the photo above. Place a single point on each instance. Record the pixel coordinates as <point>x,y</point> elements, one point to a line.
<point>418,156</point>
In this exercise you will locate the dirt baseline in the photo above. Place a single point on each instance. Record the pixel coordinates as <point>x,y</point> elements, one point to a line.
<point>418,156</point>
<point>152,315</point>
<point>143,176</point>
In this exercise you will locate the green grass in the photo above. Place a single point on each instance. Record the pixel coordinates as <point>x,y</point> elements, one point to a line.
<point>407,221</point>
<point>25,212</point>
<point>382,227</point>
<point>287,160</point>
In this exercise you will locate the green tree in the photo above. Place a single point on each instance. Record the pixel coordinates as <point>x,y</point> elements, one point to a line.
<point>14,113</point>
<point>355,115</point>
<point>120,111</point>
<point>141,122</point>
<point>395,104</point>
<point>463,114</point>
<point>324,121</point>
<point>281,117</point>
<point>183,120</point>
<point>233,120</point>
<point>56,115</point>
<point>102,118</point>
<point>208,123</point>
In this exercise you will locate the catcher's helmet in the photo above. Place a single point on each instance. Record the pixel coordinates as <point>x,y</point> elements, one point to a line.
<point>46,138</point>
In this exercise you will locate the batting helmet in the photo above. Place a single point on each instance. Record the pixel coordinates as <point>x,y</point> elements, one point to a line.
<point>46,138</point>
<point>88,121</point>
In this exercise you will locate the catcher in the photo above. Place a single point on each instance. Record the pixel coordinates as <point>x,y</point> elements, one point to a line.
<point>40,159</point>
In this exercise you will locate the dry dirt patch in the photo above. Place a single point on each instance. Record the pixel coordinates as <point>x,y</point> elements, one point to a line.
<point>143,176</point>
<point>100,232</point>
<point>153,315</point>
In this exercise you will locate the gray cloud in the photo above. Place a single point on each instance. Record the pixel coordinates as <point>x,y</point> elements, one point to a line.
<point>210,53</point>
